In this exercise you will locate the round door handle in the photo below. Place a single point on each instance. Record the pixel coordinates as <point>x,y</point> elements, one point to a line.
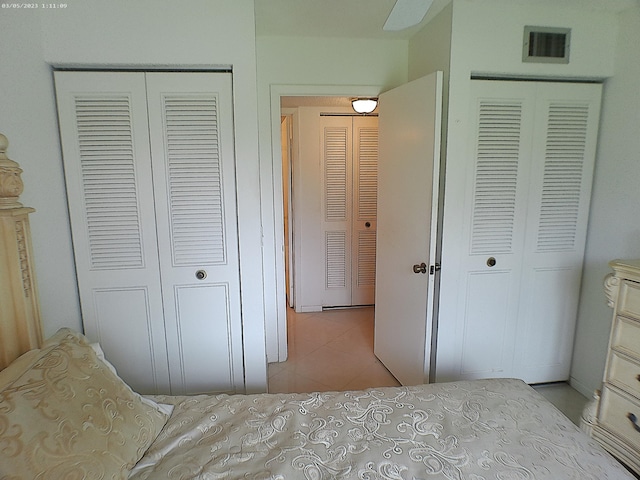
<point>367,224</point>
<point>201,274</point>
<point>491,261</point>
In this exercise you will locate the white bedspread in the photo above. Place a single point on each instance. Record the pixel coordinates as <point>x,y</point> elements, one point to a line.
<point>479,430</point>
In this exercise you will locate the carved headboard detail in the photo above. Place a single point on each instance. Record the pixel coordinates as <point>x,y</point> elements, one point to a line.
<point>20,327</point>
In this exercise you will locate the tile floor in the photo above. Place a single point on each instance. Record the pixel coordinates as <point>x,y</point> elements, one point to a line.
<point>333,350</point>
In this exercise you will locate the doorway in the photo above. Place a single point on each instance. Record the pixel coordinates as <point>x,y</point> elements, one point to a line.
<point>332,197</point>
<point>284,99</point>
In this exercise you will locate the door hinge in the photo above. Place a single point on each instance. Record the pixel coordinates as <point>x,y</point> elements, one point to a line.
<point>434,268</point>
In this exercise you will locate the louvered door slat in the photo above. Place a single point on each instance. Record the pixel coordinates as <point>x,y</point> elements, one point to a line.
<point>194,179</point>
<point>336,258</point>
<point>496,176</point>
<point>335,173</point>
<point>109,181</point>
<point>565,148</point>
<point>367,174</point>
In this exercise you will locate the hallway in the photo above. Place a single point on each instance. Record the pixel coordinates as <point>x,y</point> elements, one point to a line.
<point>329,350</point>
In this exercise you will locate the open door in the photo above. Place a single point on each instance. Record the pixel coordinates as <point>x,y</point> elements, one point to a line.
<point>408,176</point>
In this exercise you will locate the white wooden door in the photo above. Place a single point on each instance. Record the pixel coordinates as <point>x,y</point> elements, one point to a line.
<point>365,205</point>
<point>191,125</point>
<point>149,163</point>
<point>336,180</point>
<point>532,147</point>
<point>348,190</point>
<point>408,177</point>
<point>566,122</point>
<point>107,162</point>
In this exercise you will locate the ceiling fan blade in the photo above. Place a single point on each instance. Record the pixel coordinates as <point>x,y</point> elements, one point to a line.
<point>406,13</point>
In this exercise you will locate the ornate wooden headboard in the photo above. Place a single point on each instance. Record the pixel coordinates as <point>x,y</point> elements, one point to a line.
<point>20,328</point>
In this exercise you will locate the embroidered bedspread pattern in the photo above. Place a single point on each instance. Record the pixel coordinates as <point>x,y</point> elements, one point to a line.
<point>480,430</point>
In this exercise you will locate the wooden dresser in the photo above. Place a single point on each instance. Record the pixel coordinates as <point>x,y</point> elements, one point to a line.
<point>615,415</point>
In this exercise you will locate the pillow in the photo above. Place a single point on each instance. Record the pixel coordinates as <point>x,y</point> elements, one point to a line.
<point>163,407</point>
<point>70,417</point>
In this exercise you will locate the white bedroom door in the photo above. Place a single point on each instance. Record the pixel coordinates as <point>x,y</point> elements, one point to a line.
<point>149,166</point>
<point>408,179</point>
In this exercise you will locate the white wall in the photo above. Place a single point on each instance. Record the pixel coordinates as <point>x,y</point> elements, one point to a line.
<point>307,66</point>
<point>122,33</point>
<point>28,119</point>
<point>614,223</point>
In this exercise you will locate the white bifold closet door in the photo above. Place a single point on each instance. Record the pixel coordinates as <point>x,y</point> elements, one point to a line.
<point>349,162</point>
<point>522,230</point>
<point>149,166</point>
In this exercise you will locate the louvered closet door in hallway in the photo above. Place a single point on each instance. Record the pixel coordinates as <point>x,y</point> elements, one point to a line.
<point>531,153</point>
<point>349,158</point>
<point>149,166</point>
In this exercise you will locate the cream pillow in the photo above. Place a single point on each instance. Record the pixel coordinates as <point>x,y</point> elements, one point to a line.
<point>70,417</point>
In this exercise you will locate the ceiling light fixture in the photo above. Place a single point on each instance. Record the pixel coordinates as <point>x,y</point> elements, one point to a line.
<point>364,105</point>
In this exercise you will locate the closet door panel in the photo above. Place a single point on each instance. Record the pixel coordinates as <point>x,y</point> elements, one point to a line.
<point>123,333</point>
<point>336,187</point>
<point>494,213</point>
<point>105,144</point>
<point>567,117</point>
<point>191,133</point>
<point>365,201</point>
<point>548,309</point>
<point>487,346</point>
<point>205,355</point>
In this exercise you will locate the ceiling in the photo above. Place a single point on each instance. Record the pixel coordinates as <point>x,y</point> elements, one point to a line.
<point>365,18</point>
<point>332,18</point>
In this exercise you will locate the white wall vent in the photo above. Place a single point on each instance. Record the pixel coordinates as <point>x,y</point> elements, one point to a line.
<point>546,44</point>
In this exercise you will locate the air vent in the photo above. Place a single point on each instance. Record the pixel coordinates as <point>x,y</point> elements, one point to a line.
<point>546,45</point>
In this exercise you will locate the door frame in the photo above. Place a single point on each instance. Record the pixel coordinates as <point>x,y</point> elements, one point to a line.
<point>276,332</point>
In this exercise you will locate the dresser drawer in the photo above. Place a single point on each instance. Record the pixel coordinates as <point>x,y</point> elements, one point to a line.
<point>626,336</point>
<point>620,415</point>
<point>629,299</point>
<point>624,373</point>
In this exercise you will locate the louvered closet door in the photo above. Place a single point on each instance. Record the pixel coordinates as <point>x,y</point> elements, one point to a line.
<point>336,158</point>
<point>365,202</point>
<point>566,123</point>
<point>349,165</point>
<point>494,212</point>
<point>190,119</point>
<point>529,179</point>
<point>105,143</point>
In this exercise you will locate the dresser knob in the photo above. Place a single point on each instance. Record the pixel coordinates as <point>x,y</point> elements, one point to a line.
<point>633,419</point>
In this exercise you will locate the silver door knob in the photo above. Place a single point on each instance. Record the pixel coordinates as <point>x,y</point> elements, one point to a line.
<point>201,274</point>
<point>422,268</point>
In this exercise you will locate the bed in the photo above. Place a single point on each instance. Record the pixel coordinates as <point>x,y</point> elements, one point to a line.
<point>65,414</point>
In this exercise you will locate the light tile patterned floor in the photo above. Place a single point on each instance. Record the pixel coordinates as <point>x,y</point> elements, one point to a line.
<point>333,350</point>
